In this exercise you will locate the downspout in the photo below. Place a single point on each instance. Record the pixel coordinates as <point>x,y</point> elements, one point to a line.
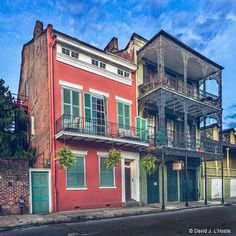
<point>51,45</point>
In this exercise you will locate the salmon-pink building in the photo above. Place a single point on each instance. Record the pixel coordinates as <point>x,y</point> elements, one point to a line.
<point>85,98</point>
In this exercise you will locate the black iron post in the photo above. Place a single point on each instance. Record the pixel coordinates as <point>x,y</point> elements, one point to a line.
<point>186,179</point>
<point>222,178</point>
<point>162,178</point>
<point>205,178</point>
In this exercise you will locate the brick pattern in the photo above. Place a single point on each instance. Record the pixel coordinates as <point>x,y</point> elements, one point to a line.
<point>14,182</point>
<point>34,70</point>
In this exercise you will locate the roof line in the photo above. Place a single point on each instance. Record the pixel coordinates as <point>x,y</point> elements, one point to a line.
<point>91,46</point>
<point>164,33</point>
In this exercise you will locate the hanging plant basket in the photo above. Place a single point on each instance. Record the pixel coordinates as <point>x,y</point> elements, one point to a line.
<point>65,157</point>
<point>114,157</point>
<point>149,164</point>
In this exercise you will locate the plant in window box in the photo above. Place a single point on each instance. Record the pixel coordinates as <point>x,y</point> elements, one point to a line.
<point>114,157</point>
<point>65,157</point>
<point>149,163</point>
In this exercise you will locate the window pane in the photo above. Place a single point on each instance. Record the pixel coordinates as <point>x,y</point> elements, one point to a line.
<point>127,115</point>
<point>106,174</point>
<point>67,109</point>
<point>75,111</point>
<point>75,97</point>
<point>75,174</point>
<point>120,109</point>
<point>66,95</point>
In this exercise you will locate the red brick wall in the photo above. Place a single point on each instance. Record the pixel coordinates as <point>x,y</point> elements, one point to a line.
<point>34,69</point>
<point>14,182</point>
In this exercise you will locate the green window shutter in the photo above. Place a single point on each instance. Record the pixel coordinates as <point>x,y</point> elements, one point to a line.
<point>75,103</point>
<point>75,174</point>
<point>141,127</point>
<point>138,126</point>
<point>144,129</point>
<point>123,115</point>
<point>71,177</point>
<point>106,174</point>
<point>120,113</point>
<point>127,116</point>
<point>87,112</point>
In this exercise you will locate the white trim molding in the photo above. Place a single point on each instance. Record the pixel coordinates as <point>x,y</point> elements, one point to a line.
<point>91,50</point>
<point>75,189</point>
<point>70,85</point>
<point>49,187</point>
<point>135,188</point>
<point>124,100</point>
<point>78,152</point>
<point>98,92</point>
<point>105,154</point>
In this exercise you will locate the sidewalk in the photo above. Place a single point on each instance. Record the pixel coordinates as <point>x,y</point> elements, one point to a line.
<point>26,220</point>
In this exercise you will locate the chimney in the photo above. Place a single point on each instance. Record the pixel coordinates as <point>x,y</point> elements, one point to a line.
<point>112,46</point>
<point>38,29</point>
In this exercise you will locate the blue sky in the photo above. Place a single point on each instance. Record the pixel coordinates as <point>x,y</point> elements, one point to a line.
<point>207,26</point>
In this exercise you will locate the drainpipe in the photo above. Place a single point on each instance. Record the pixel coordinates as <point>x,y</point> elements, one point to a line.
<point>51,45</point>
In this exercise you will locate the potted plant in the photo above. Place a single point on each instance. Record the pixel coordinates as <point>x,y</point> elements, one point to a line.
<point>65,157</point>
<point>114,157</point>
<point>149,163</point>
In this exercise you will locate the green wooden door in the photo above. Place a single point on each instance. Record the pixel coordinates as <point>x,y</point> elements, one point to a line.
<point>153,187</point>
<point>40,192</point>
<point>172,184</point>
<point>192,185</point>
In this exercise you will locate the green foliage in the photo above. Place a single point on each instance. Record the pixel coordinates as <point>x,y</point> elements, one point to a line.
<point>65,157</point>
<point>149,164</point>
<point>13,126</point>
<point>114,157</point>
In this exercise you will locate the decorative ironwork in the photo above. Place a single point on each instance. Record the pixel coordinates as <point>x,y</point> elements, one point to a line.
<point>99,127</point>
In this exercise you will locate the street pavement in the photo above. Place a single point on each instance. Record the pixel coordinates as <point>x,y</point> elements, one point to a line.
<point>215,220</point>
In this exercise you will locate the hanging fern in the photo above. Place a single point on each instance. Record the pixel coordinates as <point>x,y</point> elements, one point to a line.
<point>149,164</point>
<point>65,157</point>
<point>114,157</point>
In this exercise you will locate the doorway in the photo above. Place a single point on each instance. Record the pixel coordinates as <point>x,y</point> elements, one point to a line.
<point>128,181</point>
<point>153,187</point>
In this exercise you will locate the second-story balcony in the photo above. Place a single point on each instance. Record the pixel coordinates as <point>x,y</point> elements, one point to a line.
<point>173,139</point>
<point>177,85</point>
<point>99,131</point>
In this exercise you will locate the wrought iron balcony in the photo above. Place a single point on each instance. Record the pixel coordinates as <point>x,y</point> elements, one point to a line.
<point>177,85</point>
<point>99,130</point>
<point>175,139</point>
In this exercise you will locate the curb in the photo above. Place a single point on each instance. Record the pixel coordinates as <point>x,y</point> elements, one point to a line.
<point>85,218</point>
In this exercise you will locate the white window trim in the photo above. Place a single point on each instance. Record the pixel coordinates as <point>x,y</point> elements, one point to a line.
<point>105,154</point>
<point>73,189</point>
<point>124,100</point>
<point>98,92</point>
<point>84,154</point>
<point>70,85</point>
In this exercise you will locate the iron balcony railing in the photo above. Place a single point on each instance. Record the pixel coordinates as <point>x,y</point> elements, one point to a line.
<point>177,85</point>
<point>99,127</point>
<point>172,138</point>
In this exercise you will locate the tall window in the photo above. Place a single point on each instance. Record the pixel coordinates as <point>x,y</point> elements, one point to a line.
<point>95,114</point>
<point>106,174</point>
<point>75,175</point>
<point>123,115</point>
<point>70,104</point>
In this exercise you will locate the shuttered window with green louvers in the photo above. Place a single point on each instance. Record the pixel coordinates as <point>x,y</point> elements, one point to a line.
<point>123,112</point>
<point>106,174</point>
<point>141,128</point>
<point>70,105</point>
<point>75,175</point>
